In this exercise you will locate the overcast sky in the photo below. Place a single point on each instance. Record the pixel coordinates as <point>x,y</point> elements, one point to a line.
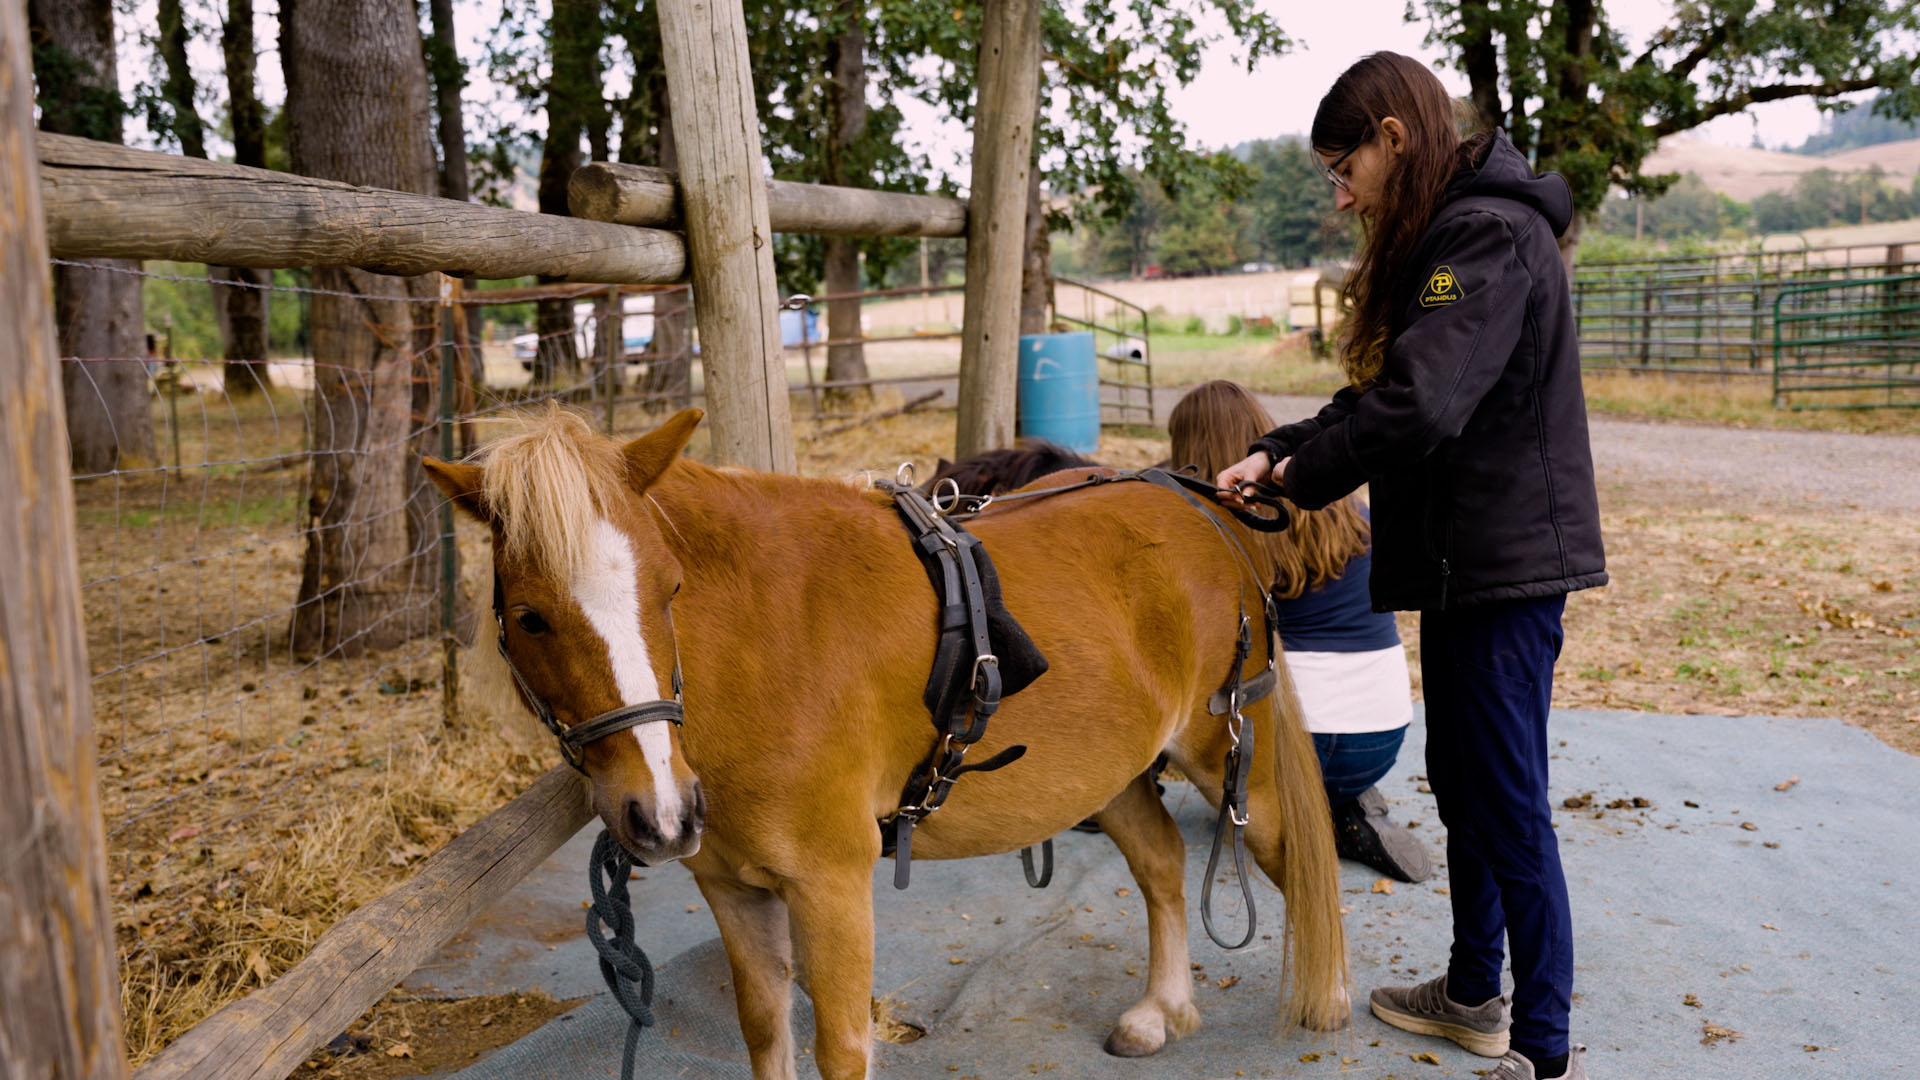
<point>1224,106</point>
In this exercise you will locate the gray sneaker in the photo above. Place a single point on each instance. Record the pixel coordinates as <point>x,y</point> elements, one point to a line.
<point>1516,1067</point>
<point>1363,832</point>
<point>1427,1010</point>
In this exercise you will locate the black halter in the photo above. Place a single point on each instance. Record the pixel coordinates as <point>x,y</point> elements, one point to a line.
<point>574,740</point>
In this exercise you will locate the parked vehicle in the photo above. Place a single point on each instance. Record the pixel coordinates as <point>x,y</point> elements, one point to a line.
<point>636,325</point>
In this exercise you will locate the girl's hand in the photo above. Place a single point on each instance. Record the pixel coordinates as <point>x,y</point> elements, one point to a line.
<point>1255,469</point>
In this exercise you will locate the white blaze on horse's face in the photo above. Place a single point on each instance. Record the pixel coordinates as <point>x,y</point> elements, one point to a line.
<point>606,588</point>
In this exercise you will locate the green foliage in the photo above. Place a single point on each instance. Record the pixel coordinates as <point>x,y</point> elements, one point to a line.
<point>1290,209</point>
<point>1573,95</point>
<point>1688,208</point>
<point>1823,197</point>
<point>1106,121</point>
<point>185,308</point>
<point>1852,128</point>
<point>71,96</point>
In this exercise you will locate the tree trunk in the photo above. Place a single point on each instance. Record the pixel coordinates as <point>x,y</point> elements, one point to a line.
<point>847,116</point>
<point>573,94</point>
<point>1481,62</point>
<point>179,86</point>
<point>357,112</point>
<point>1036,266</point>
<point>449,77</point>
<point>1570,244</point>
<point>98,310</point>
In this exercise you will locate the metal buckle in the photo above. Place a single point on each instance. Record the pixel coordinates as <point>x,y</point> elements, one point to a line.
<point>904,474</point>
<point>978,661</point>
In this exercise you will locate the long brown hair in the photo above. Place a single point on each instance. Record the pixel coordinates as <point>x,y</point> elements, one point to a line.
<point>1211,428</point>
<point>1378,86</point>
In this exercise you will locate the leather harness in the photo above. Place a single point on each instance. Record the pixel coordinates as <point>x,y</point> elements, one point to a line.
<point>964,689</point>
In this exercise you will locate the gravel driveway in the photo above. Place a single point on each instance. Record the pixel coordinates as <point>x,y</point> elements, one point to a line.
<point>1816,470</point>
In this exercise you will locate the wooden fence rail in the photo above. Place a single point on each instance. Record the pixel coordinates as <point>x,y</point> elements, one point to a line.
<point>268,1033</point>
<point>639,195</point>
<point>106,201</point>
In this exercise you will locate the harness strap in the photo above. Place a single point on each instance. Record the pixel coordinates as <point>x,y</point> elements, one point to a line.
<point>961,702</point>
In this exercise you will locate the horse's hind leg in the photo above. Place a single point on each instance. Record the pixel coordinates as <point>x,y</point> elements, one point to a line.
<point>754,927</point>
<point>1140,826</point>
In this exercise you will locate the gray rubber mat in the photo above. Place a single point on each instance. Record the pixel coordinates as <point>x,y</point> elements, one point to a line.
<point>1789,916</point>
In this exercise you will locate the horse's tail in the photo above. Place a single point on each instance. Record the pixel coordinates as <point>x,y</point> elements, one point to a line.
<point>1317,953</point>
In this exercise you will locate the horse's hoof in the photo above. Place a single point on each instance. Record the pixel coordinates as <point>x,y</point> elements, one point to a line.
<point>1129,1042</point>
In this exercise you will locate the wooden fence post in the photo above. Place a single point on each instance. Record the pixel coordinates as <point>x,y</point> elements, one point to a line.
<point>703,46</point>
<point>59,991</point>
<point>997,223</point>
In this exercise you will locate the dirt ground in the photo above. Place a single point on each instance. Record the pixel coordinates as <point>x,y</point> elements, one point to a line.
<point>253,798</point>
<point>416,1037</point>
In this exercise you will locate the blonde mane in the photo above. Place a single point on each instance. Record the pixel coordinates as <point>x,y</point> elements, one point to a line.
<point>545,485</point>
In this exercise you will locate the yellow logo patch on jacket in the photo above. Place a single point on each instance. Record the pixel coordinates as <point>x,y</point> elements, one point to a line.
<point>1442,288</point>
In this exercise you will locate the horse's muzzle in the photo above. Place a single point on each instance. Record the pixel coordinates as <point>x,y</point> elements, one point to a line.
<point>651,840</point>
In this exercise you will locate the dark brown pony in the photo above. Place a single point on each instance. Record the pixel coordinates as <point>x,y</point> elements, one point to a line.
<point>806,629</point>
<point>998,471</point>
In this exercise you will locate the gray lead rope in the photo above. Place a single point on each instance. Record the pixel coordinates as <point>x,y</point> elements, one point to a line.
<point>623,964</point>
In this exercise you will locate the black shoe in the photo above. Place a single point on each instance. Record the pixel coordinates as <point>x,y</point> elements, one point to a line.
<point>1362,832</point>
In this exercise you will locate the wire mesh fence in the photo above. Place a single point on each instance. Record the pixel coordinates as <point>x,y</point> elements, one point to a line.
<point>266,575</point>
<point>268,578</point>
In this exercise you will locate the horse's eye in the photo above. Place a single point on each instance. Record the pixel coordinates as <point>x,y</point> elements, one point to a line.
<point>531,622</point>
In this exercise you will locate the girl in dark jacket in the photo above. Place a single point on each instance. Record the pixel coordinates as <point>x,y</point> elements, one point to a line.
<point>1465,416</point>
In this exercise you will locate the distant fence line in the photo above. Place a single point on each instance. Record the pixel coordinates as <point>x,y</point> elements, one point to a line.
<point>1721,315</point>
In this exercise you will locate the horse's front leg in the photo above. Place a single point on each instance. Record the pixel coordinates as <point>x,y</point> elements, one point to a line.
<point>833,931</point>
<point>753,926</point>
<point>1140,826</point>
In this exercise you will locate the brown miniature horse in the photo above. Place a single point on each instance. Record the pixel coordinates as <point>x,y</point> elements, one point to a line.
<point>806,627</point>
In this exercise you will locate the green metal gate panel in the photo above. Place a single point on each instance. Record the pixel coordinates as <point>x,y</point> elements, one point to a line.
<point>1848,344</point>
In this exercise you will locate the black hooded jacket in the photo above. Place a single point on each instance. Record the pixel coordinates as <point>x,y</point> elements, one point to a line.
<point>1474,438</point>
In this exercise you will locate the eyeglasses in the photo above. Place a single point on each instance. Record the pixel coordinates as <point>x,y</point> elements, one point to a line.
<point>1335,178</point>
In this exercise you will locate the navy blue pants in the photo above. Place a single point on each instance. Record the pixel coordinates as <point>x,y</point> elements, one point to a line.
<point>1487,672</point>
<point>1352,762</point>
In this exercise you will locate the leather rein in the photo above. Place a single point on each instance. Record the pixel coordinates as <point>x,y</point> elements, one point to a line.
<point>573,740</point>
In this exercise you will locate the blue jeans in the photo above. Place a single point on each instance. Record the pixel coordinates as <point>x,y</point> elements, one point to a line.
<point>1488,676</point>
<point>1352,763</point>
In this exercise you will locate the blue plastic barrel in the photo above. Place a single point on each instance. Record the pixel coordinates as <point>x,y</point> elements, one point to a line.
<point>1059,391</point>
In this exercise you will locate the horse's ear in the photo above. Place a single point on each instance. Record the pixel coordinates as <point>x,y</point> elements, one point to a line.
<point>649,455</point>
<point>458,482</point>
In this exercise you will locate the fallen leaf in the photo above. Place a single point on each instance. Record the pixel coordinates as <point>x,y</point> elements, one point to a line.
<point>258,965</point>
<point>1425,1058</point>
<point>1228,981</point>
<point>1711,1033</point>
<point>956,959</point>
<point>399,1050</point>
<point>1749,826</point>
<point>1309,1057</point>
<point>184,832</point>
<point>1690,1001</point>
<point>1578,802</point>
<point>1787,783</point>
<point>1810,1048</point>
<point>1383,886</point>
<point>1123,891</point>
<point>1768,926</point>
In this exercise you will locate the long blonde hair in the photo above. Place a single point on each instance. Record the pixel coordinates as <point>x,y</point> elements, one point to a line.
<point>1211,428</point>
